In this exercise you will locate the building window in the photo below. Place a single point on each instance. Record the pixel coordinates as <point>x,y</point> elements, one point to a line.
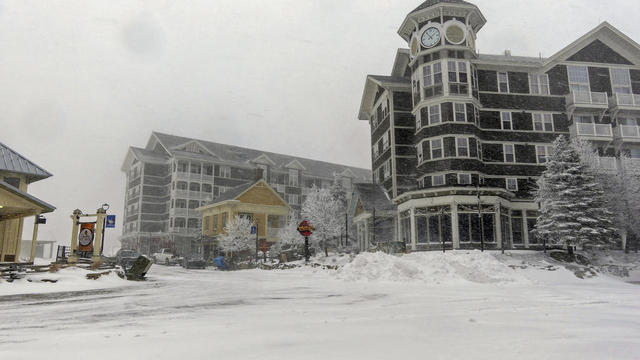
<point>578,78</point>
<point>464,179</point>
<point>542,122</point>
<point>196,168</point>
<point>183,166</point>
<point>437,180</point>
<point>215,223</point>
<point>539,84</point>
<point>419,152</point>
<point>462,144</point>
<point>194,187</point>
<point>181,203</point>
<point>208,170</point>
<point>293,199</point>
<point>387,169</point>
<point>543,152</point>
<point>179,223</point>
<point>375,151</point>
<point>434,115</point>
<point>512,184</point>
<point>194,204</point>
<point>436,148</point>
<point>509,155</point>
<point>206,223</point>
<point>503,82</point>
<point>460,112</point>
<point>182,185</point>
<point>223,222</point>
<point>385,141</point>
<point>225,171</point>
<point>507,124</point>
<point>458,79</point>
<point>432,75</point>
<point>293,177</point>
<point>207,188</point>
<point>418,120</point>
<point>621,81</point>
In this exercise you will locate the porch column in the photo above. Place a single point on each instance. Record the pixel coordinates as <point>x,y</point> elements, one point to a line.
<point>498,229</point>
<point>97,242</point>
<point>455,231</point>
<point>525,229</point>
<point>73,258</point>
<point>34,239</point>
<point>414,237</point>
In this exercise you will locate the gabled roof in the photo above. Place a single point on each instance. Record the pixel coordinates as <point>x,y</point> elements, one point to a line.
<point>609,36</point>
<point>243,156</point>
<point>371,86</point>
<point>430,3</point>
<point>295,164</point>
<point>12,161</point>
<point>143,155</point>
<point>373,196</point>
<point>263,158</point>
<point>236,192</point>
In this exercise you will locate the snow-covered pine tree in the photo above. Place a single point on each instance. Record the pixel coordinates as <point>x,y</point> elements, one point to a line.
<point>323,211</point>
<point>621,188</point>
<point>237,237</point>
<point>571,208</point>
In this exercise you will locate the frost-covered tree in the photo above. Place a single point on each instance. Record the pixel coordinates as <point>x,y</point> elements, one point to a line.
<point>571,206</point>
<point>289,238</point>
<point>621,187</point>
<point>237,237</point>
<point>323,211</point>
<point>339,193</point>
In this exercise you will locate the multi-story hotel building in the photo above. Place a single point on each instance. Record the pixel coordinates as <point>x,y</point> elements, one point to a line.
<point>450,125</point>
<point>173,176</point>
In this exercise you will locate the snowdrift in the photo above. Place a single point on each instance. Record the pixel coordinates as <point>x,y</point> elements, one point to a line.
<point>431,267</point>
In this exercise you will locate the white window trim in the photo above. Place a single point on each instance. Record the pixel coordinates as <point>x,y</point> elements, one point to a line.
<point>547,148</point>
<point>441,148</point>
<point>458,148</point>
<point>444,180</point>
<point>439,113</point>
<point>588,83</point>
<point>539,77</point>
<point>465,174</point>
<point>543,119</point>
<point>498,78</point>
<point>504,153</point>
<point>455,113</point>
<point>502,120</point>
<point>507,184</point>
<point>613,86</point>
<point>420,153</point>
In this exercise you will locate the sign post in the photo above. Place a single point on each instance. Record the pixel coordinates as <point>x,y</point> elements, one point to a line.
<point>305,229</point>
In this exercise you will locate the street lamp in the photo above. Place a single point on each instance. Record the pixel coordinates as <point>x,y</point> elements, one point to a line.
<point>105,207</point>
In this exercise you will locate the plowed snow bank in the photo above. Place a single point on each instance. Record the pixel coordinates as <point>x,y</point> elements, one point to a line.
<point>431,267</point>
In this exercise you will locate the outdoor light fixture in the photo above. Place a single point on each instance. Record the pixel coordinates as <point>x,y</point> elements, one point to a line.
<point>105,207</point>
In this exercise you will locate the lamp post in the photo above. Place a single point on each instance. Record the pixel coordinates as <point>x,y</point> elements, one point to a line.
<point>104,207</point>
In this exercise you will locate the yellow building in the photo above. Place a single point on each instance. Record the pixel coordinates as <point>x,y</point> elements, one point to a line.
<point>256,201</point>
<point>16,173</point>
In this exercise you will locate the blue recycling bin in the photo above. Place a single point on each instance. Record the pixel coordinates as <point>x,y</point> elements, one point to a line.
<point>219,262</point>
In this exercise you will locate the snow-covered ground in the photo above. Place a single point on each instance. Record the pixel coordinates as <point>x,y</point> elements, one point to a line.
<point>462,305</point>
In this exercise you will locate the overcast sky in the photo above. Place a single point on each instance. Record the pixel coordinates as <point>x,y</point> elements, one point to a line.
<point>81,80</point>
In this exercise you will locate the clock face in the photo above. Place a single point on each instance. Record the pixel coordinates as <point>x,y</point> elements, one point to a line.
<point>455,34</point>
<point>430,37</point>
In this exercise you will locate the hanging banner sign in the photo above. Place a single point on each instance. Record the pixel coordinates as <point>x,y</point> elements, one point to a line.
<point>111,221</point>
<point>85,238</point>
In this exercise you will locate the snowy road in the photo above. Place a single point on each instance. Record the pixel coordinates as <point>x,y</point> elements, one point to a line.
<point>307,314</point>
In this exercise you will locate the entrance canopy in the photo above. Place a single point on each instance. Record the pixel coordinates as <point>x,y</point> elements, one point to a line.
<point>16,204</point>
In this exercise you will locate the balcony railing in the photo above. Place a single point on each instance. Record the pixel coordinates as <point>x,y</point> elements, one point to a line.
<point>592,129</point>
<point>626,100</point>
<point>587,98</point>
<point>630,131</point>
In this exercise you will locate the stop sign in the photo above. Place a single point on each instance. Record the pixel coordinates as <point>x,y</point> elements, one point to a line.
<point>305,229</point>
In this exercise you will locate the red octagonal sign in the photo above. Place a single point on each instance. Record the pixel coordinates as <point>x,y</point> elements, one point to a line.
<point>305,229</point>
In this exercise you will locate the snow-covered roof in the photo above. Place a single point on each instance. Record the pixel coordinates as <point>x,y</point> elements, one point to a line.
<point>12,161</point>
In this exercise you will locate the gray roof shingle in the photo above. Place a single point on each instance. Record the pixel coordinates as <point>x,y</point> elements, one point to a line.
<point>12,161</point>
<point>238,154</point>
<point>430,3</point>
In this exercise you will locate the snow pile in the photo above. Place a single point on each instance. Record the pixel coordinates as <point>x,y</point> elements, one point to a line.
<point>68,279</point>
<point>431,267</point>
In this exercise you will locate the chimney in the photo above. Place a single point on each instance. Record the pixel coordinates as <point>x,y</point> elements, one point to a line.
<point>259,172</point>
<point>507,53</point>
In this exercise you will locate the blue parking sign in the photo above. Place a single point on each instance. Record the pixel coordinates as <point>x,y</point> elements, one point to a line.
<point>111,221</point>
<point>254,229</point>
